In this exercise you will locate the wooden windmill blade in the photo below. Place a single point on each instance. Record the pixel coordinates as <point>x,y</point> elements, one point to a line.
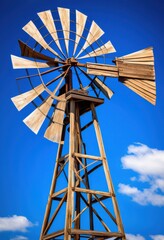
<point>95,32</point>
<point>32,31</point>
<point>54,130</point>
<point>47,19</point>
<point>26,51</point>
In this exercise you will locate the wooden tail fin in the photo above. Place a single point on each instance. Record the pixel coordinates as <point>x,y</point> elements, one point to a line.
<point>136,71</point>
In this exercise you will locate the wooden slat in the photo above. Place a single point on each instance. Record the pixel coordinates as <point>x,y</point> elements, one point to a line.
<point>48,21</point>
<point>24,99</point>
<point>141,85</point>
<point>76,189</point>
<point>26,51</point>
<point>54,130</point>
<point>96,233</point>
<point>102,70</point>
<point>136,71</point>
<point>32,30</point>
<point>104,49</point>
<point>64,15</point>
<point>35,120</point>
<point>19,63</point>
<point>80,25</point>
<point>150,98</point>
<point>144,56</point>
<point>105,90</point>
<point>81,155</point>
<point>94,34</point>
<point>53,235</point>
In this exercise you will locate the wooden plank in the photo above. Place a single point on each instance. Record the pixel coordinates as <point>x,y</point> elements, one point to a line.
<point>19,63</point>
<point>136,71</point>
<point>48,21</point>
<point>29,52</point>
<point>71,180</point>
<point>76,189</point>
<point>147,52</point>
<point>149,97</point>
<point>140,85</point>
<point>95,233</point>
<point>32,30</point>
<point>81,155</point>
<point>142,57</point>
<point>24,99</point>
<point>104,49</point>
<point>53,235</point>
<point>35,120</point>
<point>105,90</point>
<point>54,130</point>
<point>80,25</point>
<point>64,15</point>
<point>95,32</point>
<point>102,70</point>
<point>59,192</point>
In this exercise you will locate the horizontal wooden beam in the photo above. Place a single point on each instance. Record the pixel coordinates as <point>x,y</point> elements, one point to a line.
<point>95,233</point>
<point>102,69</point>
<point>107,194</point>
<point>87,156</point>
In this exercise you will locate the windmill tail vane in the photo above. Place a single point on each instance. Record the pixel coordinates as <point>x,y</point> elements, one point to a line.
<point>65,71</point>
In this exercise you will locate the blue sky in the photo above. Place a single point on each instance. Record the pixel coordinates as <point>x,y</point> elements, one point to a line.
<point>132,128</point>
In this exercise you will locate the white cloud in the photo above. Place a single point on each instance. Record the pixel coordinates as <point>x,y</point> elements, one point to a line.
<point>19,238</point>
<point>157,237</point>
<point>148,163</point>
<point>134,237</point>
<point>15,223</point>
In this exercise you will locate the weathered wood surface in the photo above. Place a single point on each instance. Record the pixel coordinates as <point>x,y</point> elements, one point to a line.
<point>64,15</point>
<point>24,99</point>
<point>80,25</point>
<point>20,63</point>
<point>32,31</point>
<point>48,21</point>
<point>84,190</point>
<point>95,233</point>
<point>104,49</point>
<point>106,90</point>
<point>102,69</point>
<point>145,57</point>
<point>53,235</point>
<point>54,130</point>
<point>95,32</point>
<point>81,155</point>
<point>27,51</point>
<point>35,120</point>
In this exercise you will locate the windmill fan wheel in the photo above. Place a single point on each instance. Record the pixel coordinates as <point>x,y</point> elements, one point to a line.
<point>58,43</point>
<point>54,58</point>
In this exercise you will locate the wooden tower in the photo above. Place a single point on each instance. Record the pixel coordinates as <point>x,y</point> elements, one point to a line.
<point>65,88</point>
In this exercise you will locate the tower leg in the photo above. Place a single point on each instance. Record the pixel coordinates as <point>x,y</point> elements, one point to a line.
<point>106,170</point>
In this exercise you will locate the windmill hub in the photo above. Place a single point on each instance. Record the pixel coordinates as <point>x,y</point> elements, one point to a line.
<point>72,61</point>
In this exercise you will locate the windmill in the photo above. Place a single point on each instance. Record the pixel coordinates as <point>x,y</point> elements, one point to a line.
<point>65,63</point>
